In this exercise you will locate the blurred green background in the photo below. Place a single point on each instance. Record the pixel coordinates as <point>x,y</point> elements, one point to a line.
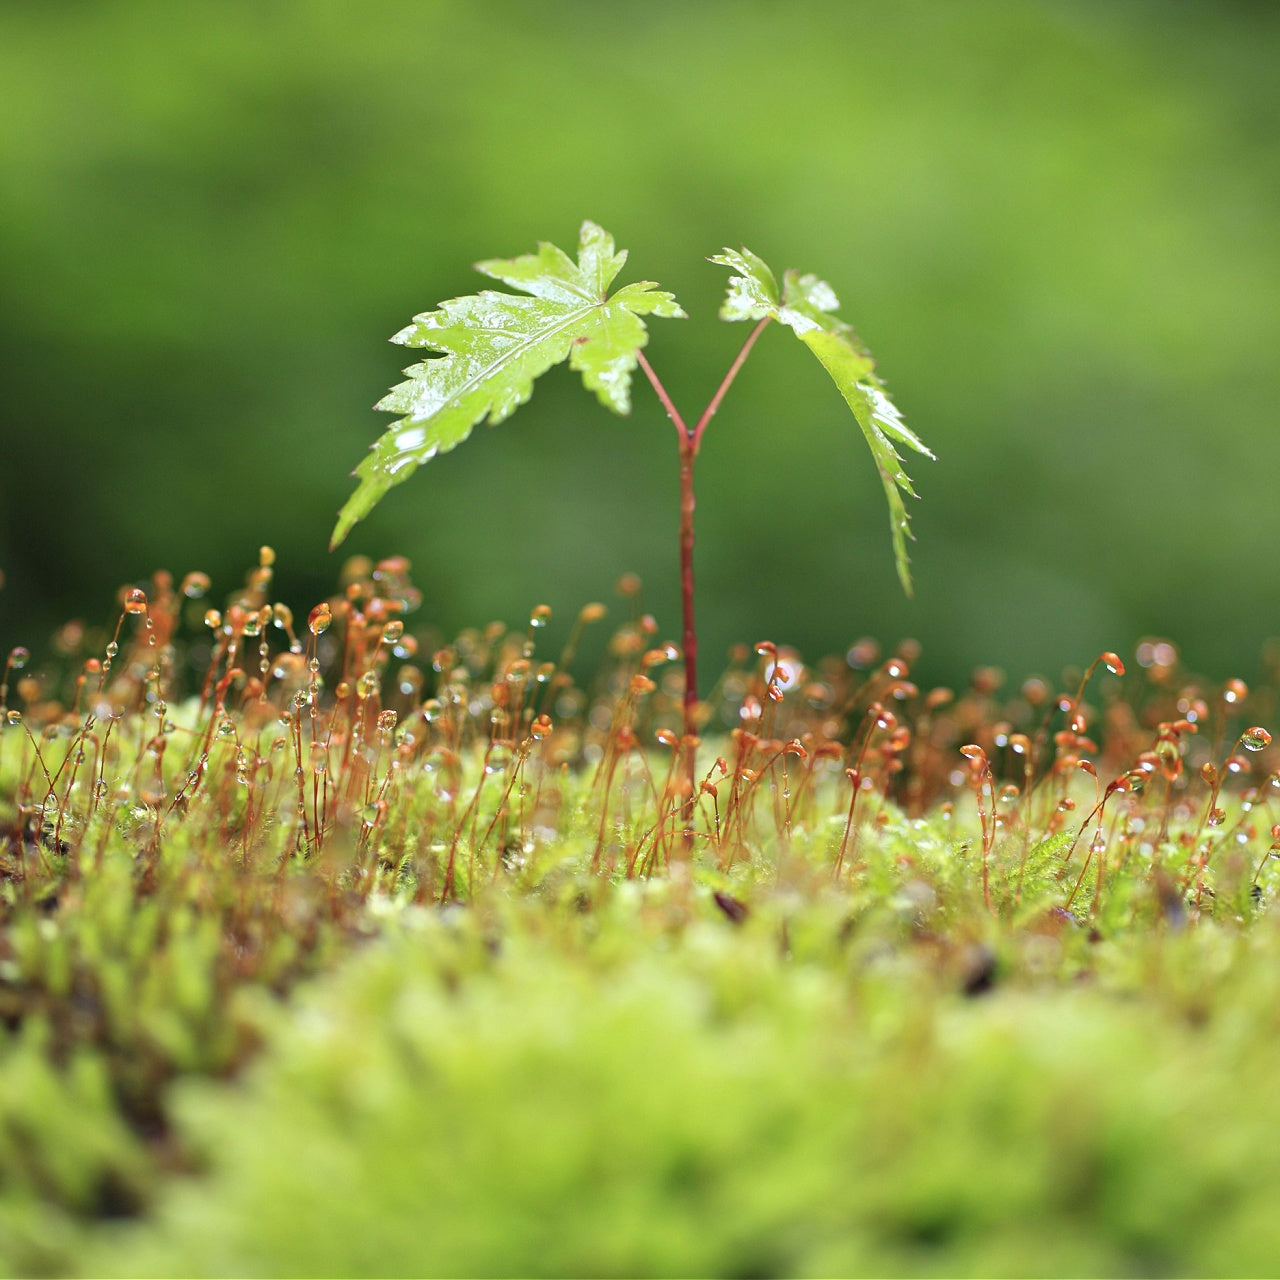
<point>1055,223</point>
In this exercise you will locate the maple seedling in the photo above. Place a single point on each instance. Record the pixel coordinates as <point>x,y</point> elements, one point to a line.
<point>491,346</point>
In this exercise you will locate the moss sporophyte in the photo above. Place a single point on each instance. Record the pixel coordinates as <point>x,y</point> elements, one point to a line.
<point>493,345</point>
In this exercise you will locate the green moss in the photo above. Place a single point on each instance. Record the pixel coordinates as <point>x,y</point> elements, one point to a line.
<point>647,1089</point>
<point>328,972</point>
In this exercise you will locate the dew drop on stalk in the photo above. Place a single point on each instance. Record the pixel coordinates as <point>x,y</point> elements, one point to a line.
<point>1255,739</point>
<point>540,615</point>
<point>19,657</point>
<point>212,619</point>
<point>14,717</point>
<point>194,585</point>
<point>318,619</point>
<point>112,649</point>
<point>392,631</point>
<point>1235,691</point>
<point>135,601</point>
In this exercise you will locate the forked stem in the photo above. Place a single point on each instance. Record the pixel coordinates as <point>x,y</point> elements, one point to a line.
<point>689,441</point>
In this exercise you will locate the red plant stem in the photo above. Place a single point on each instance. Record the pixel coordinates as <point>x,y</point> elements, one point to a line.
<point>672,412</point>
<point>688,452</point>
<point>689,443</point>
<point>726,382</point>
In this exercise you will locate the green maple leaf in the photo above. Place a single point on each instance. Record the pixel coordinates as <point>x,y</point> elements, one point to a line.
<point>807,305</point>
<point>493,345</point>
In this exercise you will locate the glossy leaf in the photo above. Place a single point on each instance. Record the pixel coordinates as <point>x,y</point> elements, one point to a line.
<point>493,345</point>
<point>807,306</point>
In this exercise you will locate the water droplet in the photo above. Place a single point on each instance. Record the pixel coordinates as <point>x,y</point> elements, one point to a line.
<point>194,585</point>
<point>318,619</point>
<point>14,717</point>
<point>1255,738</point>
<point>1112,663</point>
<point>135,601</point>
<point>1235,691</point>
<point>212,619</point>
<point>392,631</point>
<point>368,684</point>
<point>19,657</point>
